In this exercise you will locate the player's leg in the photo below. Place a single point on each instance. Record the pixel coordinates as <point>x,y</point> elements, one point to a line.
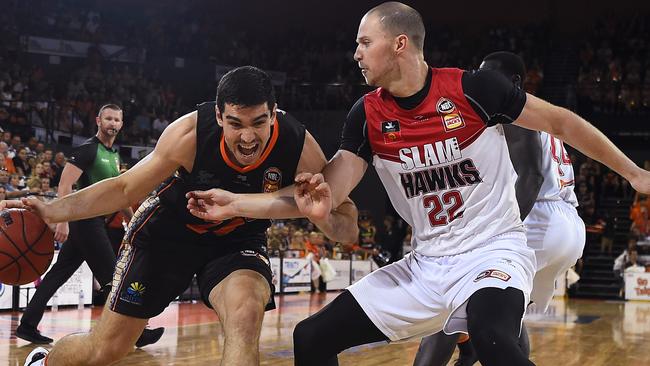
<point>491,295</point>
<point>67,263</point>
<point>110,340</point>
<point>238,286</point>
<point>436,349</point>
<point>338,326</point>
<point>239,300</point>
<point>396,302</point>
<point>494,319</point>
<point>557,234</point>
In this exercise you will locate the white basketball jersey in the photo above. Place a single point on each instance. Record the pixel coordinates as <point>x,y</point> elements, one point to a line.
<point>559,179</point>
<point>446,173</point>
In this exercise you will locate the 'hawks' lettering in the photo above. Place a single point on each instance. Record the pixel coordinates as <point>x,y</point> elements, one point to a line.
<point>438,179</point>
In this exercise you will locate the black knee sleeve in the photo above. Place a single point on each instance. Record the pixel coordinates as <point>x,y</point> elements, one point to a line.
<point>338,326</point>
<point>494,320</point>
<point>436,349</point>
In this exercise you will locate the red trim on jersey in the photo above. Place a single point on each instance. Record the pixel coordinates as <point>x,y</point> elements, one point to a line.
<point>445,113</point>
<point>265,154</point>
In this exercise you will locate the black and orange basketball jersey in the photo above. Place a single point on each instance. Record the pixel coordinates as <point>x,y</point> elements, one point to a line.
<point>213,168</point>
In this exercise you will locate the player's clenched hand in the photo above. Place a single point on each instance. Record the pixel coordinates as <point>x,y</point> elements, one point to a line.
<point>641,182</point>
<point>212,205</point>
<point>313,196</point>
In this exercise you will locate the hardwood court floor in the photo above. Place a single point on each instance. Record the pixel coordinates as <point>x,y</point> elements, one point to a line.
<point>573,332</point>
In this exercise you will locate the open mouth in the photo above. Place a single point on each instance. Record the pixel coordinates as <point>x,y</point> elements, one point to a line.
<point>247,150</point>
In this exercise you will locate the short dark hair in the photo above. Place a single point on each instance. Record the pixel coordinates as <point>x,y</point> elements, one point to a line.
<point>510,63</point>
<point>398,18</point>
<point>245,86</point>
<point>112,106</point>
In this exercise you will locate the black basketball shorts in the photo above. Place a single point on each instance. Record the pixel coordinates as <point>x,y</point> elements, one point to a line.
<point>153,269</point>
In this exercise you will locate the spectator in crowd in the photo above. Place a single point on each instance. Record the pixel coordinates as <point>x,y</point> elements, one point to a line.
<point>20,163</point>
<point>47,155</point>
<point>632,264</point>
<point>623,258</point>
<point>367,232</point>
<point>315,251</point>
<point>297,244</point>
<point>641,225</point>
<point>57,168</point>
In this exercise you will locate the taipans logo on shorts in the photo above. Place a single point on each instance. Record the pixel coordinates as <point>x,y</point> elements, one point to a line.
<point>252,253</point>
<point>493,273</point>
<point>2,289</point>
<point>133,293</point>
<point>272,179</point>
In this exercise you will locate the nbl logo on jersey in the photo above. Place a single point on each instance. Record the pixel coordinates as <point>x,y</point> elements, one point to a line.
<point>391,131</point>
<point>451,117</point>
<point>272,179</point>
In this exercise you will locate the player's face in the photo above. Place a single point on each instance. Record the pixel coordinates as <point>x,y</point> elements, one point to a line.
<point>246,130</point>
<point>374,54</point>
<point>110,122</point>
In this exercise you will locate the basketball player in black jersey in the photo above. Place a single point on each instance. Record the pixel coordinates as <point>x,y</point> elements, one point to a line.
<point>241,143</point>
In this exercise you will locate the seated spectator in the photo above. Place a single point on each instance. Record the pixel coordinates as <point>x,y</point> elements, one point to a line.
<point>633,266</point>
<point>623,258</point>
<point>296,245</point>
<point>21,164</point>
<point>45,187</point>
<point>57,168</point>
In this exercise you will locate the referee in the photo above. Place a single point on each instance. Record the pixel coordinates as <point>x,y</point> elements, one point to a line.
<point>94,160</point>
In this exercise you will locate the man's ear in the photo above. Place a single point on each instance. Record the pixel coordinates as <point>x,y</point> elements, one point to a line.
<point>219,116</point>
<point>274,113</point>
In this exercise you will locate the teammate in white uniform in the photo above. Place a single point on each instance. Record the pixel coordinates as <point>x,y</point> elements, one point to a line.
<point>547,202</point>
<point>445,165</point>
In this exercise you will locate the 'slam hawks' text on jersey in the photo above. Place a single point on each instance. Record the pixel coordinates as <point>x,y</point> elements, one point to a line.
<point>442,156</point>
<point>213,168</point>
<point>559,179</point>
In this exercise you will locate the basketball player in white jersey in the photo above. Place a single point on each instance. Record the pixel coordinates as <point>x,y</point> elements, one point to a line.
<point>433,139</point>
<point>547,204</point>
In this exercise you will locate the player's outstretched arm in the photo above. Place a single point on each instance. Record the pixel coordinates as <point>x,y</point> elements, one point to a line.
<point>575,131</point>
<point>345,170</point>
<point>175,148</point>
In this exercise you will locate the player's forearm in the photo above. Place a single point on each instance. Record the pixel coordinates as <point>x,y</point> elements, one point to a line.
<point>266,206</point>
<point>583,136</point>
<point>101,198</point>
<point>341,224</point>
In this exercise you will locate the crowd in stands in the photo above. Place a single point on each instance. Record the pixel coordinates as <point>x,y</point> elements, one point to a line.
<point>28,169</point>
<point>614,74</point>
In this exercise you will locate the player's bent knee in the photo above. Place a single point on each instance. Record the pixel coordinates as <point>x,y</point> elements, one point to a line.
<point>246,318</point>
<point>304,336</point>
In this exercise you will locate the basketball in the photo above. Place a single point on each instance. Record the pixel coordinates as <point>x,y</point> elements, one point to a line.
<point>26,246</point>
